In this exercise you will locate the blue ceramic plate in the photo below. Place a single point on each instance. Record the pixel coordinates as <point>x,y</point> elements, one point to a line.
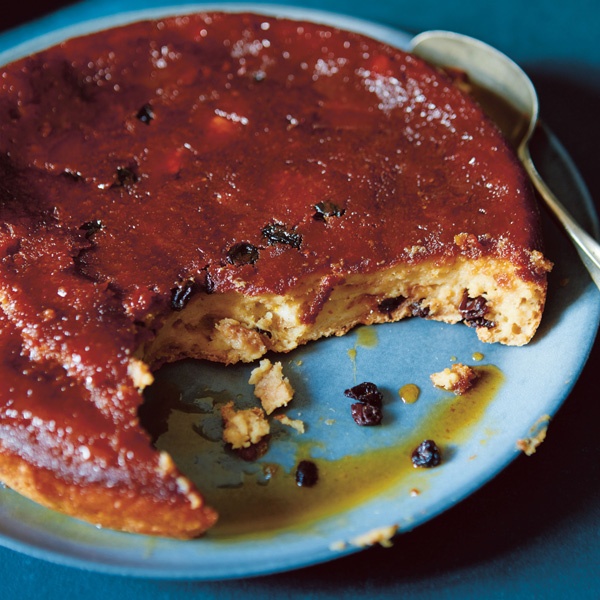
<point>367,481</point>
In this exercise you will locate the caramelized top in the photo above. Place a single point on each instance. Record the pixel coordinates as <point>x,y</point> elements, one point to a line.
<point>201,153</point>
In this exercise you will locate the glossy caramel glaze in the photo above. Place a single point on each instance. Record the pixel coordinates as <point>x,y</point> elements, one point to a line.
<point>201,154</point>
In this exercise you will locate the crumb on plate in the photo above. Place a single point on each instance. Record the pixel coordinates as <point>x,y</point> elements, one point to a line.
<point>538,431</point>
<point>271,387</point>
<point>245,427</point>
<point>458,379</point>
<point>296,424</point>
<point>382,536</point>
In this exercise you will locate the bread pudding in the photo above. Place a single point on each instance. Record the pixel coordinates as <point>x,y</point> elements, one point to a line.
<point>220,186</point>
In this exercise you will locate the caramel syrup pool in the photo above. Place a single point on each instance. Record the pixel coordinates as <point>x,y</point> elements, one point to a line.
<point>409,393</point>
<point>262,498</point>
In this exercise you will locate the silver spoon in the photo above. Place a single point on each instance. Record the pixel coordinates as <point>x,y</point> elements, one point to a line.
<point>491,70</point>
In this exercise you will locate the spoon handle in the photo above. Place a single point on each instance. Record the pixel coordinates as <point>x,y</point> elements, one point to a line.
<point>586,246</point>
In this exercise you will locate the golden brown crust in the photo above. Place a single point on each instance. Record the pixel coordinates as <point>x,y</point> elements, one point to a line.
<point>183,516</point>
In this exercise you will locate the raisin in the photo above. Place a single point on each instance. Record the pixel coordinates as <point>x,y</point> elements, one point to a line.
<point>307,473</point>
<point>418,310</point>
<point>181,295</point>
<point>243,253</point>
<point>124,177</point>
<point>473,311</point>
<point>146,114</point>
<point>389,305</point>
<point>92,227</point>
<point>327,209</point>
<point>426,455</point>
<point>366,392</point>
<point>277,233</point>
<point>366,414</point>
<point>209,284</point>
<point>254,451</point>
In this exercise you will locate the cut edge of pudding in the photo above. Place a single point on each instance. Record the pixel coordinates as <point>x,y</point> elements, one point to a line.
<point>485,293</point>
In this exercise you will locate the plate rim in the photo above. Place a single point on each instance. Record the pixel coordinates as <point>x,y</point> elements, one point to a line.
<point>382,32</point>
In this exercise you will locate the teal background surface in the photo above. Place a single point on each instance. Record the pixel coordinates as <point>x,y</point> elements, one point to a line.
<point>533,531</point>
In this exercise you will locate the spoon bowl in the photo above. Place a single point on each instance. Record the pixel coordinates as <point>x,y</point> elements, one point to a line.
<point>491,70</point>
